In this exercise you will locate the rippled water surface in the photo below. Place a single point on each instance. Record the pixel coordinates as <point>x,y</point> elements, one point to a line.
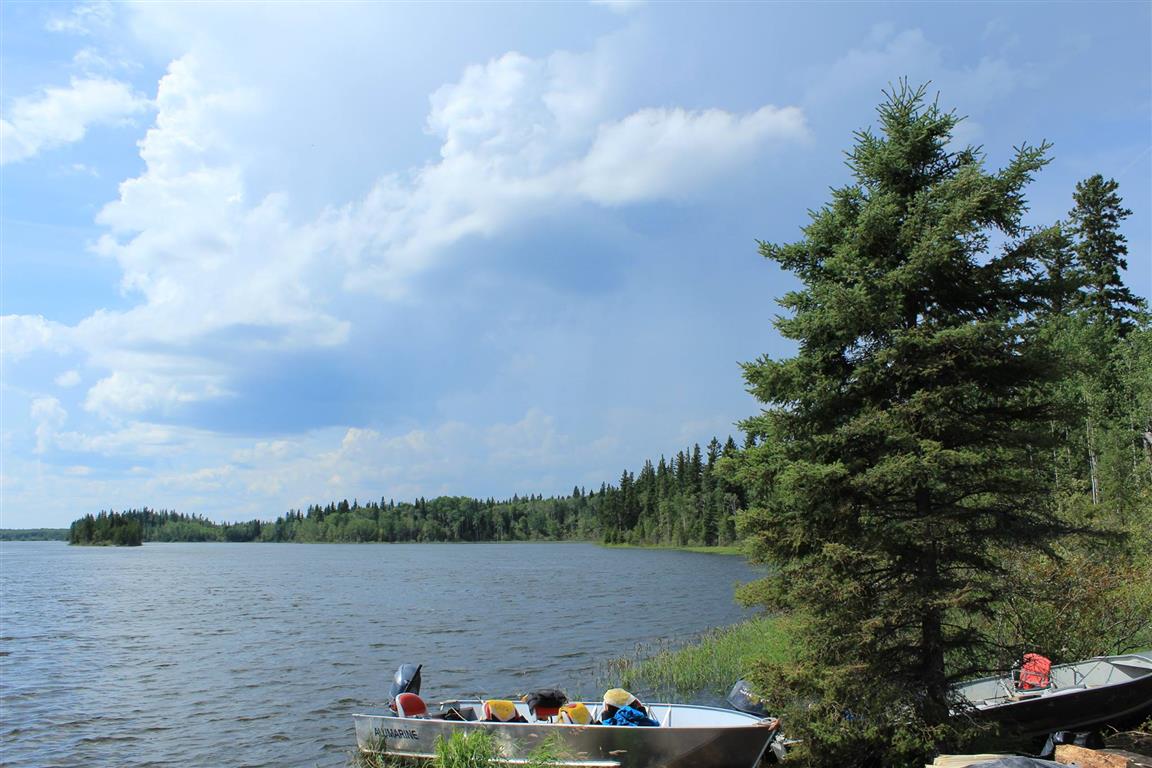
<point>258,654</point>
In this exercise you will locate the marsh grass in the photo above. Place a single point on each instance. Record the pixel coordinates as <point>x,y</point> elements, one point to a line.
<point>473,749</point>
<point>708,666</point>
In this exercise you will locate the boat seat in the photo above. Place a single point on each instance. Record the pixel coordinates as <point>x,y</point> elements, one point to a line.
<point>574,714</point>
<point>411,705</point>
<point>501,711</point>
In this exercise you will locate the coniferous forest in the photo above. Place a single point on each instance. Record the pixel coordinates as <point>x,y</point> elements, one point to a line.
<point>108,528</point>
<point>681,502</point>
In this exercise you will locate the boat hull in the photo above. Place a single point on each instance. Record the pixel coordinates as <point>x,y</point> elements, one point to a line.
<point>593,746</point>
<point>1121,695</point>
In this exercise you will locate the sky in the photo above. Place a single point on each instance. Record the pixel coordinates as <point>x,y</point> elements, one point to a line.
<point>255,256</point>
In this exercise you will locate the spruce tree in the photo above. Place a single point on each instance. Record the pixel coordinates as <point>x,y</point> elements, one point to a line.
<point>1101,250</point>
<point>899,452</point>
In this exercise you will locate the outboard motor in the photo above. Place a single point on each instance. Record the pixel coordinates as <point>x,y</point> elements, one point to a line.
<point>742,698</point>
<point>406,680</point>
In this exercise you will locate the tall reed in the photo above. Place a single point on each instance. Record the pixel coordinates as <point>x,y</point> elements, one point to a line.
<point>707,667</point>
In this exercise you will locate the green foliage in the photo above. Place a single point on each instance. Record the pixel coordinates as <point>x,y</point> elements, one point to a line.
<point>850,717</point>
<point>1083,605</point>
<point>106,529</point>
<point>902,451</point>
<point>476,748</point>
<point>1097,596</point>
<point>360,759</point>
<point>33,534</point>
<point>551,751</point>
<point>709,665</point>
<point>1100,250</point>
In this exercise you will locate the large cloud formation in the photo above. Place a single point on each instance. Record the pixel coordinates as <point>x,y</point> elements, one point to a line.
<point>212,267</point>
<point>244,237</point>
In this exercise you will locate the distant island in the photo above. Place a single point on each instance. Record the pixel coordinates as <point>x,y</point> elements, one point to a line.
<point>107,529</point>
<point>680,502</point>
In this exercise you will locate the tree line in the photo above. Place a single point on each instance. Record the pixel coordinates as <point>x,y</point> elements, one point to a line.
<point>682,501</point>
<point>107,529</point>
<point>33,534</point>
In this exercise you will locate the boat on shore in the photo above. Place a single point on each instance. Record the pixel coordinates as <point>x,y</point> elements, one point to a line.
<point>685,735</point>
<point>1085,696</point>
<point>689,736</point>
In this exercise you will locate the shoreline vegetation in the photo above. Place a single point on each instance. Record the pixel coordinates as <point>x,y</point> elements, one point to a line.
<point>33,534</point>
<point>682,502</point>
<point>707,665</point>
<point>61,534</point>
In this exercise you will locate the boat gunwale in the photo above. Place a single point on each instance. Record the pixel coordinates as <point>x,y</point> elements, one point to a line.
<point>750,720</point>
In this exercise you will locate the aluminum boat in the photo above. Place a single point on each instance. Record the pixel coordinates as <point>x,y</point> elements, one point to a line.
<point>1085,696</point>
<point>688,736</point>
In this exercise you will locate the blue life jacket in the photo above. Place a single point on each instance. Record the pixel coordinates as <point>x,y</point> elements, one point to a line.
<point>630,716</point>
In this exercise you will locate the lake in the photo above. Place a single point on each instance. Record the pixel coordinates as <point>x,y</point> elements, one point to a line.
<point>258,654</point>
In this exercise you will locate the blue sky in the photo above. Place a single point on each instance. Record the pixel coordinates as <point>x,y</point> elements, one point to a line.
<point>257,256</point>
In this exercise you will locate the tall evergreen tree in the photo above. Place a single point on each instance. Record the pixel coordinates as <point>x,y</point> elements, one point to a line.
<point>896,458</point>
<point>1101,250</point>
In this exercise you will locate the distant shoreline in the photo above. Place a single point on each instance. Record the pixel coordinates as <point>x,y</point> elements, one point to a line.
<point>33,534</point>
<point>61,534</point>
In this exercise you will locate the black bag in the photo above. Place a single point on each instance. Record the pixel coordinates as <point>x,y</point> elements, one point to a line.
<point>550,698</point>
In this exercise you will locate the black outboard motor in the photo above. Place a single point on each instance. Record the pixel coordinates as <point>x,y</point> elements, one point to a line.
<point>742,698</point>
<point>406,680</point>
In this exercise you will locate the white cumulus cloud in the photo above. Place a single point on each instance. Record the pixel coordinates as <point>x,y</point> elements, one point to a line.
<point>22,334</point>
<point>668,152</point>
<point>523,137</point>
<point>137,392</point>
<point>61,116</point>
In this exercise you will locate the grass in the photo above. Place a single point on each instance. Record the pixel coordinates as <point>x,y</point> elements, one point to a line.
<point>708,666</point>
<point>472,749</point>
<point>475,749</point>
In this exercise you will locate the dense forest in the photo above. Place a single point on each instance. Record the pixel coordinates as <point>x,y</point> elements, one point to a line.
<point>33,534</point>
<point>107,529</point>
<point>682,501</point>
